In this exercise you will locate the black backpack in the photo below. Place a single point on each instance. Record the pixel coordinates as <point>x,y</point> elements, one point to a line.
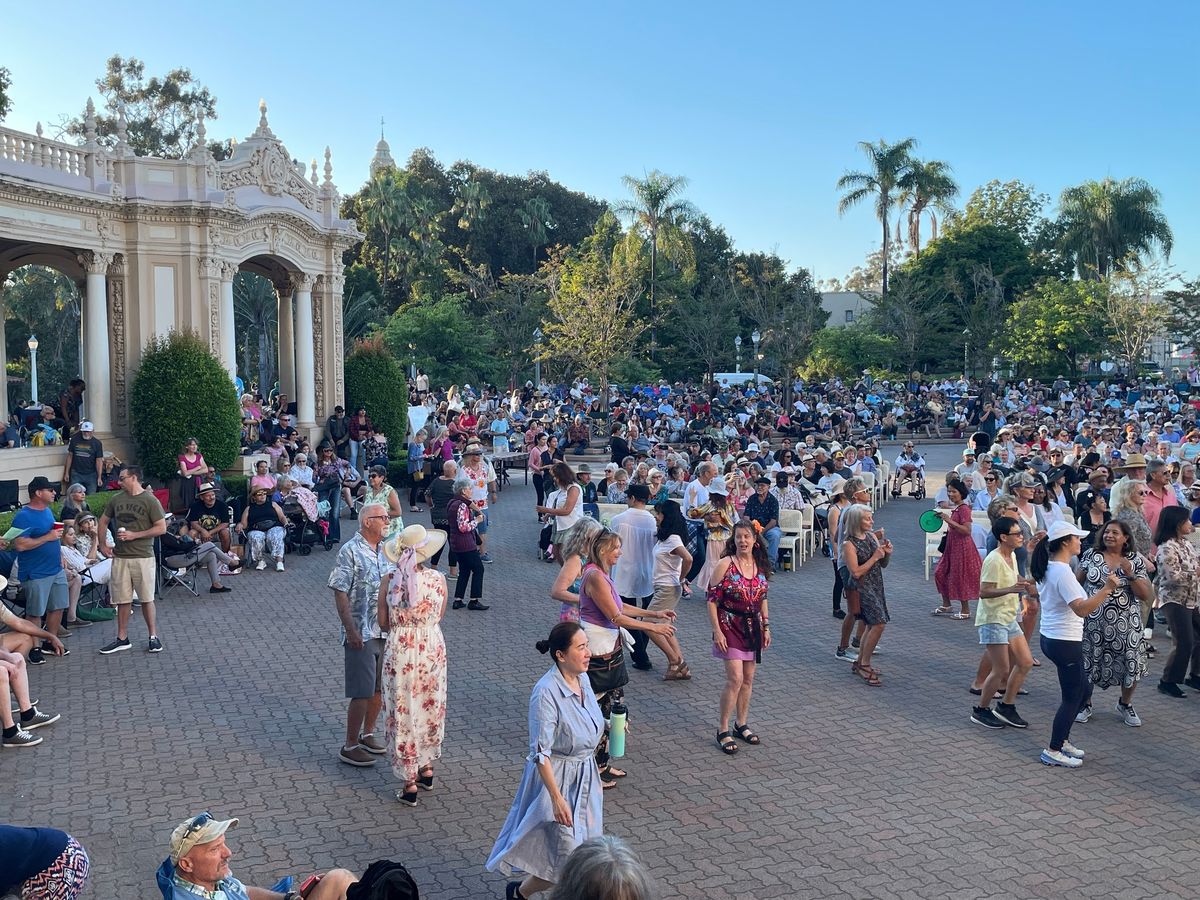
<point>384,880</point>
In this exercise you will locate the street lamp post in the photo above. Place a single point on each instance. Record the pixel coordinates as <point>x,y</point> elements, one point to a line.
<point>32,344</point>
<point>966,351</point>
<point>737,343</point>
<point>537,360</point>
<point>756,337</point>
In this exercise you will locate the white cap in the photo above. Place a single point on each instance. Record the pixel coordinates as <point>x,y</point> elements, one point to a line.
<point>1062,529</point>
<point>752,446</point>
<point>86,426</point>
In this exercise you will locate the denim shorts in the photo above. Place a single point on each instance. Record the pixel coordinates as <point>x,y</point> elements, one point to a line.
<point>482,527</point>
<point>999,634</point>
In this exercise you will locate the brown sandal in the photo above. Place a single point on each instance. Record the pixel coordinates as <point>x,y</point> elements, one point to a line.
<point>677,673</point>
<point>869,675</point>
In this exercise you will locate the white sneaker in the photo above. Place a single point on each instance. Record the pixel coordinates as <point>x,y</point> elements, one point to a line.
<point>1131,718</point>
<point>260,565</point>
<point>1148,633</point>
<point>1071,750</point>
<point>1083,715</point>
<point>279,566</point>
<point>1058,758</point>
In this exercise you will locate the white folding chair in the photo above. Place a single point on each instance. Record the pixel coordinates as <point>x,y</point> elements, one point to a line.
<point>868,479</point>
<point>791,523</point>
<point>808,532</point>
<point>932,553</point>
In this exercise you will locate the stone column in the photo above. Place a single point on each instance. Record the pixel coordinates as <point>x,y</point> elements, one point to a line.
<point>96,369</point>
<point>306,409</point>
<point>3,359</point>
<point>287,344</point>
<point>228,321</point>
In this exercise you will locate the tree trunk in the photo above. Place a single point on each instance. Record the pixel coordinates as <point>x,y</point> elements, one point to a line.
<point>885,253</point>
<point>653,279</point>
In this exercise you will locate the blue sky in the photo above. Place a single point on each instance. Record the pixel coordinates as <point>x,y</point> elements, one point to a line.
<point>761,105</point>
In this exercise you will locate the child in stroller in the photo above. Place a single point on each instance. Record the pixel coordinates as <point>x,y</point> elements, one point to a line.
<point>308,519</point>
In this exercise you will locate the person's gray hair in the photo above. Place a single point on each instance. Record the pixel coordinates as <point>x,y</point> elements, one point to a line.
<point>449,467</point>
<point>579,541</point>
<point>852,518</point>
<point>1122,493</point>
<point>283,482</point>
<point>76,487</point>
<point>1154,467</point>
<point>995,509</point>
<point>461,484</point>
<point>362,513</point>
<point>706,466</point>
<point>604,868</point>
<point>852,487</point>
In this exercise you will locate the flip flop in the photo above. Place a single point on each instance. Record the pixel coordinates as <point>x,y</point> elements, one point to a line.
<point>943,611</point>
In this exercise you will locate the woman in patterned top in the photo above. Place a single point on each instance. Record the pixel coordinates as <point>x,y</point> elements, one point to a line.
<point>1179,598</point>
<point>741,628</point>
<point>1114,651</point>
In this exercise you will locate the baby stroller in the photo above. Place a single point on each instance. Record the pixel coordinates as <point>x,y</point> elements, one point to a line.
<point>308,522</point>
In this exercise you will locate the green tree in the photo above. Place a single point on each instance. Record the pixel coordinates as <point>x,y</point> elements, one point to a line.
<point>538,222</point>
<point>703,326</point>
<point>660,214</point>
<point>1112,226</point>
<point>1014,205</point>
<point>846,351</point>
<point>1136,312</point>
<point>41,301</point>
<point>442,338</point>
<point>1056,325</point>
<point>927,188</point>
<point>174,371</point>
<point>593,321</point>
<point>881,183</point>
<point>385,213</point>
<point>512,309</point>
<point>256,316</point>
<point>917,315</point>
<point>160,111</point>
<point>470,204</point>
<point>1182,304</point>
<point>952,260</point>
<point>375,379</point>
<point>5,99</point>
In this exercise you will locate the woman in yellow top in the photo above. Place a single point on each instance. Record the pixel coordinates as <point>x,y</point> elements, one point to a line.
<point>998,618</point>
<point>719,518</point>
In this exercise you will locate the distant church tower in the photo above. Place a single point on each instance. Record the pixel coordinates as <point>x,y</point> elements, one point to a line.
<point>382,161</point>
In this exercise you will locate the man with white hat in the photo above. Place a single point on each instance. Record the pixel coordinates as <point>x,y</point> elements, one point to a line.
<point>85,458</point>
<point>199,867</point>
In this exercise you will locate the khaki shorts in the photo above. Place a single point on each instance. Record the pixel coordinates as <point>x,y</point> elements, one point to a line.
<point>666,596</point>
<point>130,576</point>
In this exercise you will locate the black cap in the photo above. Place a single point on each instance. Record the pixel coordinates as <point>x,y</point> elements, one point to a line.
<point>39,483</point>
<point>639,492</point>
<point>762,480</point>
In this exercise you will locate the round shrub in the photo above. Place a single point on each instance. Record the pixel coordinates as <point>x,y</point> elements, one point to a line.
<point>375,380</point>
<point>182,391</point>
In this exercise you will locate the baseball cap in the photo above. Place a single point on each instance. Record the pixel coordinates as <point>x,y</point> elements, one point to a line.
<point>201,829</point>
<point>968,452</point>
<point>86,426</point>
<point>1062,529</point>
<point>39,483</point>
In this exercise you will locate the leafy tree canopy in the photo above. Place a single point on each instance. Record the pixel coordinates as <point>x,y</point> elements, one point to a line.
<point>1056,325</point>
<point>5,99</point>
<point>951,261</point>
<point>1014,205</point>
<point>846,351</point>
<point>443,339</point>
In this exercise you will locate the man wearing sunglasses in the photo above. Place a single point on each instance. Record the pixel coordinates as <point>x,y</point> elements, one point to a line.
<point>199,867</point>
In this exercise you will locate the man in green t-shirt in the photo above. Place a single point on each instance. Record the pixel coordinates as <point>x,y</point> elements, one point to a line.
<point>139,519</point>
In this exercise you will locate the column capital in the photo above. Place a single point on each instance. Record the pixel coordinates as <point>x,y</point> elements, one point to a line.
<point>95,262</point>
<point>208,266</point>
<point>228,271</point>
<point>303,281</point>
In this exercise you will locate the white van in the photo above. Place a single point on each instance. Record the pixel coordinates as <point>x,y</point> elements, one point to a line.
<point>735,379</point>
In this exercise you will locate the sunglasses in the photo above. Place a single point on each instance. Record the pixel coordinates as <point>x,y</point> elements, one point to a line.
<point>989,477</point>
<point>197,823</point>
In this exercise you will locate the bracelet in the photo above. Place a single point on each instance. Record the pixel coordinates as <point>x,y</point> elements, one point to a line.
<point>766,626</point>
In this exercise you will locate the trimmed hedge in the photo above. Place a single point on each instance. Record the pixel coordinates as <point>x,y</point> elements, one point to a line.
<point>375,380</point>
<point>181,391</point>
<point>96,503</point>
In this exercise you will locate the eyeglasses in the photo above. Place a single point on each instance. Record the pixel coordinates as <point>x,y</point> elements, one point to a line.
<point>989,477</point>
<point>374,518</point>
<point>196,824</point>
<point>1016,533</point>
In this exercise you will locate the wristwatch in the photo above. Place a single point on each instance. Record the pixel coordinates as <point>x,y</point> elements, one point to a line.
<point>293,895</point>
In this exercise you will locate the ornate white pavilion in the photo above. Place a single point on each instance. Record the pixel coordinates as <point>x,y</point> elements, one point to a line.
<point>155,244</point>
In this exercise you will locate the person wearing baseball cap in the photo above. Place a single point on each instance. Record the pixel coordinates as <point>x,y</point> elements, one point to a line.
<point>85,458</point>
<point>1064,606</point>
<point>39,559</point>
<point>198,866</point>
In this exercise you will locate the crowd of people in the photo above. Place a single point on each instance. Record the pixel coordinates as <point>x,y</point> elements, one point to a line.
<point>1070,518</point>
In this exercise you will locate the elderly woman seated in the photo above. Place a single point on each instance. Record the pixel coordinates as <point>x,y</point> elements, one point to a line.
<point>301,472</point>
<point>264,525</point>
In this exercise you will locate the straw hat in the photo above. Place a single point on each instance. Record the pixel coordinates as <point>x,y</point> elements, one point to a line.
<point>1132,461</point>
<point>415,537</point>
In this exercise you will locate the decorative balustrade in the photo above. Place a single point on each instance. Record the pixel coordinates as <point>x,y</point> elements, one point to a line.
<point>36,150</point>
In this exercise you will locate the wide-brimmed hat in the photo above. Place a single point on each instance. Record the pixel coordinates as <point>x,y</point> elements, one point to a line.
<point>718,487</point>
<point>422,542</point>
<point>473,449</point>
<point>206,487</point>
<point>1132,461</point>
<point>583,469</point>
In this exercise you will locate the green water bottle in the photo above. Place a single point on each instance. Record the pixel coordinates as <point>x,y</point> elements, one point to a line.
<point>616,731</point>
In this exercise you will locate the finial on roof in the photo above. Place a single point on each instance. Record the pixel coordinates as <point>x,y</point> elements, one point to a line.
<point>314,172</point>
<point>201,131</point>
<point>381,128</point>
<point>39,129</point>
<point>262,114</point>
<point>89,121</point>
<point>328,167</point>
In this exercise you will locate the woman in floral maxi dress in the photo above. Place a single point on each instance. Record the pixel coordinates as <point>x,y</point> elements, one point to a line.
<point>957,574</point>
<point>412,601</point>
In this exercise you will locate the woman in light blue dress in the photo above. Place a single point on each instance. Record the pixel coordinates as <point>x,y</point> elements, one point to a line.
<point>559,801</point>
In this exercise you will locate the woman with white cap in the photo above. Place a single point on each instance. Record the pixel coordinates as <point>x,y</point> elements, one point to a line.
<point>719,517</point>
<point>412,601</point>
<point>1064,606</point>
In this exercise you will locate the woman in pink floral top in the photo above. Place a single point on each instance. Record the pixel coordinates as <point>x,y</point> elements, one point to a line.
<point>1178,589</point>
<point>412,601</point>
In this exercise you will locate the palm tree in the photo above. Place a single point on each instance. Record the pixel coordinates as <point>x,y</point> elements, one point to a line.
<point>256,315</point>
<point>889,164</point>
<point>536,220</point>
<point>385,209</point>
<point>1109,226</point>
<point>473,198</point>
<point>926,187</point>
<point>658,211</point>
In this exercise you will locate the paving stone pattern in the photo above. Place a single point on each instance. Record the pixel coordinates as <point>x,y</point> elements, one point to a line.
<point>854,792</point>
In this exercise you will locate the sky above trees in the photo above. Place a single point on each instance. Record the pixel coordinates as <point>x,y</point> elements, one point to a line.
<point>760,107</point>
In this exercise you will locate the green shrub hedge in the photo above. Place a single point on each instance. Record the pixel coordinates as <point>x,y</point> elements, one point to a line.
<point>182,391</point>
<point>96,503</point>
<point>375,380</point>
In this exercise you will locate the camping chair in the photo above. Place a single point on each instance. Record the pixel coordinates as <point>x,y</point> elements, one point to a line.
<point>170,577</point>
<point>10,495</point>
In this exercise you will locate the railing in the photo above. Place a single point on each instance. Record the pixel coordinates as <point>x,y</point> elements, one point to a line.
<point>35,150</point>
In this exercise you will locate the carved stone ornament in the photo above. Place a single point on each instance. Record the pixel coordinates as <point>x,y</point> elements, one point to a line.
<point>269,168</point>
<point>228,271</point>
<point>304,281</point>
<point>94,262</point>
<point>319,350</point>
<point>214,318</point>
<point>339,390</point>
<point>209,266</point>
<point>116,296</point>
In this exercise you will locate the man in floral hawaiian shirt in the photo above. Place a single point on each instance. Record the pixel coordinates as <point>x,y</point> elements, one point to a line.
<point>355,581</point>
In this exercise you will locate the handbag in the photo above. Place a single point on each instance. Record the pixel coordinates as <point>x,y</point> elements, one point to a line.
<point>942,542</point>
<point>607,672</point>
<point>849,582</point>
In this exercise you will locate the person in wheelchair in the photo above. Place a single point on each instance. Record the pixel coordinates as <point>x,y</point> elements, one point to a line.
<point>910,469</point>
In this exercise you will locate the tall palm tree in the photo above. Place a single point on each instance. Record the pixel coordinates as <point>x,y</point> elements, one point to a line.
<point>385,208</point>
<point>256,316</point>
<point>889,164</point>
<point>926,187</point>
<point>1110,225</point>
<point>537,221</point>
<point>658,212</point>
<point>473,198</point>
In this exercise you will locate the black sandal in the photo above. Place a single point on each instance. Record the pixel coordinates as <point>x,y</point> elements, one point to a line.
<point>729,746</point>
<point>425,782</point>
<point>408,798</point>
<point>744,732</point>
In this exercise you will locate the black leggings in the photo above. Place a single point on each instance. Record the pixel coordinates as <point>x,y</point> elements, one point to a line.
<point>1067,657</point>
<point>539,485</point>
<point>838,587</point>
<point>414,492</point>
<point>452,557</point>
<point>470,566</point>
<point>1185,632</point>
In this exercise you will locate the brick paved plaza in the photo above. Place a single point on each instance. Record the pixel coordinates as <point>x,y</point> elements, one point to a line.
<point>855,791</point>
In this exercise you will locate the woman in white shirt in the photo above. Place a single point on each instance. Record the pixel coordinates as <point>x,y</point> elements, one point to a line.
<point>671,562</point>
<point>567,508</point>
<point>1064,606</point>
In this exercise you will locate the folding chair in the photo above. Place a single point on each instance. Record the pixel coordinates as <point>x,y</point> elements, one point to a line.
<point>94,605</point>
<point>170,577</point>
<point>10,495</point>
<point>932,553</point>
<point>808,530</point>
<point>868,480</point>
<point>791,523</point>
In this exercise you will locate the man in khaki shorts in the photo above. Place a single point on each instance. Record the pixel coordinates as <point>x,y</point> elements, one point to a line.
<point>140,519</point>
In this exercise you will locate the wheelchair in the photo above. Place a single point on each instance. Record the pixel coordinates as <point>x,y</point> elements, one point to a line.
<point>913,478</point>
